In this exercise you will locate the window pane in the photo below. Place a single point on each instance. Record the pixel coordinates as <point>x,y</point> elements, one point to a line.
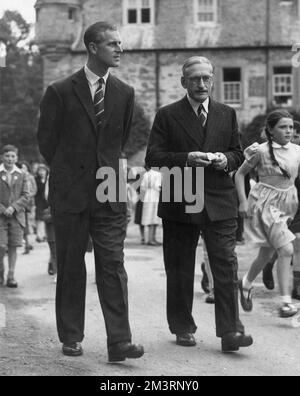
<point>146,15</point>
<point>232,74</point>
<point>283,70</point>
<point>72,14</point>
<point>132,16</point>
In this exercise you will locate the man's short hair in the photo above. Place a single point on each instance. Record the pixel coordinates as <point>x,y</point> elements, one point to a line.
<point>93,33</point>
<point>9,147</point>
<point>196,60</point>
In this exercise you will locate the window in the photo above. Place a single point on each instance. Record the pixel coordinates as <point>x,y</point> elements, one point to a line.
<point>72,14</point>
<point>37,14</point>
<point>139,11</point>
<point>232,86</point>
<point>283,86</point>
<point>206,11</point>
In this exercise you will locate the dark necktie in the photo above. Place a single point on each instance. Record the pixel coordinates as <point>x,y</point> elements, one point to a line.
<point>202,115</point>
<point>99,103</point>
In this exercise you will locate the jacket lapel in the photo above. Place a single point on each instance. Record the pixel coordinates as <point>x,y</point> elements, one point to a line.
<point>112,93</point>
<point>83,92</point>
<point>213,124</point>
<point>189,122</point>
<point>4,177</point>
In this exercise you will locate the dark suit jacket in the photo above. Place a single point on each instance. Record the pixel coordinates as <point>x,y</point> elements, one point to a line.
<point>15,195</point>
<point>176,132</point>
<point>70,143</point>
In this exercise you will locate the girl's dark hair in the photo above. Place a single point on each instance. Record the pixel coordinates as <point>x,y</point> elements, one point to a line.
<point>272,120</point>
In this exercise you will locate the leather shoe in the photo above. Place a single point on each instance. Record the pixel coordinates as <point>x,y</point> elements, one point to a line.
<point>246,301</point>
<point>185,339</point>
<point>124,350</point>
<point>204,281</point>
<point>72,349</point>
<point>210,299</point>
<point>268,278</point>
<point>11,283</point>
<point>232,342</point>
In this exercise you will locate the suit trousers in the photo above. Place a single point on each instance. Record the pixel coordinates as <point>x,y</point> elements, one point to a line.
<point>107,230</point>
<point>180,242</point>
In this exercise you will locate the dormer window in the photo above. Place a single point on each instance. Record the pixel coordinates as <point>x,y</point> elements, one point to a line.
<point>206,11</point>
<point>138,12</point>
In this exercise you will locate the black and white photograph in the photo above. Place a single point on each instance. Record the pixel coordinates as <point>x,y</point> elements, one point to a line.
<point>149,191</point>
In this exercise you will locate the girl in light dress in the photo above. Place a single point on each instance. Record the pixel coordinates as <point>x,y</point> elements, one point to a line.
<point>272,203</point>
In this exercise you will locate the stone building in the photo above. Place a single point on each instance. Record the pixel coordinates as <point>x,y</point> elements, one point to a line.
<point>252,44</point>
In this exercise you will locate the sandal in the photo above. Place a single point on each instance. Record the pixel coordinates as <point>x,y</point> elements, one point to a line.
<point>11,283</point>
<point>287,310</point>
<point>246,297</point>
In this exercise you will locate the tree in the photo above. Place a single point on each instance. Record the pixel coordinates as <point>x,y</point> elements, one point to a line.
<point>21,86</point>
<point>140,131</point>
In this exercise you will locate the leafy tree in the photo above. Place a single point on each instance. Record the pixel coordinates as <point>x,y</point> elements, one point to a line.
<point>21,86</point>
<point>140,131</point>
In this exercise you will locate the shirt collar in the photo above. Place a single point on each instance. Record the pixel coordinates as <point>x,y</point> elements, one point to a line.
<point>14,169</point>
<point>92,77</point>
<point>278,146</point>
<point>195,105</point>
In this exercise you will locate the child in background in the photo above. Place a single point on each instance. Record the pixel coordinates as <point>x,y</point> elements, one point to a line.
<point>14,196</point>
<point>272,203</point>
<point>268,278</point>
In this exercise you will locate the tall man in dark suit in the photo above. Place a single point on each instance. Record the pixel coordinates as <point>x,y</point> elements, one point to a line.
<point>182,135</point>
<point>84,124</point>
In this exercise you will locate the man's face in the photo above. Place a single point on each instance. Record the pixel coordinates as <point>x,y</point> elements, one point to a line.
<point>107,49</point>
<point>198,81</point>
<point>9,159</point>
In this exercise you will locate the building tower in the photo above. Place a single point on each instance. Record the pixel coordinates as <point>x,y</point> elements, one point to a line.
<point>59,26</point>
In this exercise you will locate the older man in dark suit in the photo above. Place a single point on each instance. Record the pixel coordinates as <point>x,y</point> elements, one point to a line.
<point>84,124</point>
<point>200,132</point>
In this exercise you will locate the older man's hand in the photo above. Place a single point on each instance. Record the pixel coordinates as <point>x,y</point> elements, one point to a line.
<point>197,158</point>
<point>221,162</point>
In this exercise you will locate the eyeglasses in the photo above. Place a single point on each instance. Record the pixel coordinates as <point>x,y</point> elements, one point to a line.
<point>197,80</point>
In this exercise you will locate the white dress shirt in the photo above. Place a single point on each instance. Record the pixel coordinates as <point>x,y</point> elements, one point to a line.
<point>195,105</point>
<point>93,80</point>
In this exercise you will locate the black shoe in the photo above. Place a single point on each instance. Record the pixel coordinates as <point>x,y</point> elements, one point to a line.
<point>11,283</point>
<point>204,281</point>
<point>50,269</point>
<point>268,278</point>
<point>72,349</point>
<point>124,350</point>
<point>210,299</point>
<point>185,339</point>
<point>232,342</point>
<point>246,301</point>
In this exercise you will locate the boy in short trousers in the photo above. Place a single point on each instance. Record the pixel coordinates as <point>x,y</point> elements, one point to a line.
<point>14,195</point>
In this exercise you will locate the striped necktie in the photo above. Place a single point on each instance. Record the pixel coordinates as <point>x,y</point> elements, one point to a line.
<point>202,115</point>
<point>99,103</point>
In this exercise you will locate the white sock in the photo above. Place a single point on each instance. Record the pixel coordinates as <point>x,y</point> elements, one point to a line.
<point>286,299</point>
<point>246,284</point>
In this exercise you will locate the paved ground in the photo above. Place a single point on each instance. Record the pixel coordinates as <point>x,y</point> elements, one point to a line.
<point>29,345</point>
